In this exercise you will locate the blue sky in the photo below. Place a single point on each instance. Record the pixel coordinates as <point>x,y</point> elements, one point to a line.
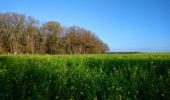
<point>125,25</point>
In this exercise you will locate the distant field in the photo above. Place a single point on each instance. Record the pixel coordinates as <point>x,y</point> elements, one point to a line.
<point>85,77</point>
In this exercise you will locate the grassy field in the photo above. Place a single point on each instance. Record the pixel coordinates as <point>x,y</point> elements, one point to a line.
<point>85,77</point>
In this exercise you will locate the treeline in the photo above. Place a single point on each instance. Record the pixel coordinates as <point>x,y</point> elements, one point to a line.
<point>23,34</point>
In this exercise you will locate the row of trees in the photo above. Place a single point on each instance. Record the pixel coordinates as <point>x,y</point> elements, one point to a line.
<point>22,34</point>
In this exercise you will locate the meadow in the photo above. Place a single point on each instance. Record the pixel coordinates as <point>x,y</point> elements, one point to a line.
<point>85,77</point>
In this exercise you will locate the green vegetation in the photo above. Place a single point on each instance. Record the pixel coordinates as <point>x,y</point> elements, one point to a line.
<point>85,77</point>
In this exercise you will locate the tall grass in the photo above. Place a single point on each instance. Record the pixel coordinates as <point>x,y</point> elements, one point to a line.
<point>85,77</point>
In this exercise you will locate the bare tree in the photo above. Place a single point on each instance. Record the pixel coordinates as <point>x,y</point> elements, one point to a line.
<point>20,34</point>
<point>53,31</point>
<point>11,28</point>
<point>81,41</point>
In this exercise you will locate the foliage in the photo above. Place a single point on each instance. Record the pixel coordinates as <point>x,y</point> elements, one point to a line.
<point>20,34</point>
<point>85,77</point>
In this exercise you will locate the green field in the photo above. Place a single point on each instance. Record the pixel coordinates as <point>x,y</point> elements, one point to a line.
<point>85,77</point>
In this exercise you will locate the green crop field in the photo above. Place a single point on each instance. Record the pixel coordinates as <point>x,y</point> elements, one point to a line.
<point>85,77</point>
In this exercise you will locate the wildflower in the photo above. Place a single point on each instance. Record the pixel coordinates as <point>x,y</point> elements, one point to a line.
<point>72,87</point>
<point>163,95</point>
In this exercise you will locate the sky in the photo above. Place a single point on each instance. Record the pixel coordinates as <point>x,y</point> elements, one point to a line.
<point>125,25</point>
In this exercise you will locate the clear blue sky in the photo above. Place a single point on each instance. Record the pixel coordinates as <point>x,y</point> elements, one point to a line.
<point>125,25</point>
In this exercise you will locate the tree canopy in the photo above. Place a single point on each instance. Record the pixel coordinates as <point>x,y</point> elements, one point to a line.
<point>23,34</point>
